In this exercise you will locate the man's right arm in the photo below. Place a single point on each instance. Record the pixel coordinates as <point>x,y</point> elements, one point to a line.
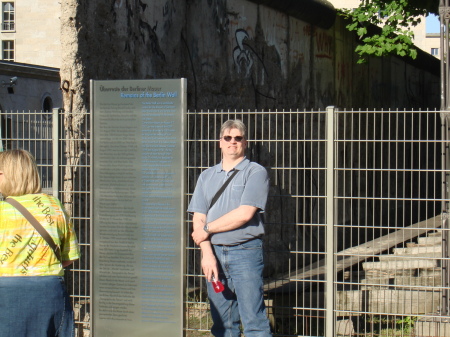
<point>209,262</point>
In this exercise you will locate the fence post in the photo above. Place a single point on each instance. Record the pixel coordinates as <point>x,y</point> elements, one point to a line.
<point>1,132</point>
<point>55,146</point>
<point>329,278</point>
<point>444,14</point>
<point>445,213</point>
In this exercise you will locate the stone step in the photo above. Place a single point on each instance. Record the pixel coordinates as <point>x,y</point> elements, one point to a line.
<point>399,265</point>
<point>377,273</point>
<point>437,233</point>
<point>418,250</point>
<point>376,283</point>
<point>403,302</point>
<point>430,240</point>
<point>414,244</point>
<point>419,281</point>
<point>401,282</point>
<point>407,257</point>
<point>430,272</point>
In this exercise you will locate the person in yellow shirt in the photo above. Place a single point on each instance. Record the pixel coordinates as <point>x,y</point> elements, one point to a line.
<point>33,297</point>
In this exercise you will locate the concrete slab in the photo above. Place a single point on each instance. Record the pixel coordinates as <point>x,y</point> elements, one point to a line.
<point>430,240</point>
<point>418,250</point>
<point>410,256</point>
<point>404,302</point>
<point>432,327</point>
<point>344,328</point>
<point>400,264</point>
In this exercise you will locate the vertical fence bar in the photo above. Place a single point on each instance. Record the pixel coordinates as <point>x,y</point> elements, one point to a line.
<point>329,302</point>
<point>55,149</point>
<point>444,15</point>
<point>445,213</point>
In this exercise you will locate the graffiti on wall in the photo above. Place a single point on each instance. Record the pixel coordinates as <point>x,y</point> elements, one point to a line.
<point>246,58</point>
<point>242,55</point>
<point>219,15</point>
<point>138,30</point>
<point>169,11</point>
<point>344,81</point>
<point>324,41</point>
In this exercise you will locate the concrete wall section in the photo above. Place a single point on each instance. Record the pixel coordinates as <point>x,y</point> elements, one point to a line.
<point>387,83</point>
<point>268,60</point>
<point>236,54</point>
<point>119,39</point>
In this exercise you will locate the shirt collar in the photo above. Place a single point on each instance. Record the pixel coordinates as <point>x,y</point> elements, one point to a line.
<point>239,166</point>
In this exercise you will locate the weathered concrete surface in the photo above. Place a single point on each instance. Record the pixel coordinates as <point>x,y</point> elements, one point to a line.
<point>432,327</point>
<point>235,54</point>
<point>392,266</point>
<point>344,328</point>
<point>320,13</point>
<point>403,302</point>
<point>119,39</point>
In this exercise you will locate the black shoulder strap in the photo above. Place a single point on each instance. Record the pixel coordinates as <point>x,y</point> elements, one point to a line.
<point>32,220</point>
<point>220,191</point>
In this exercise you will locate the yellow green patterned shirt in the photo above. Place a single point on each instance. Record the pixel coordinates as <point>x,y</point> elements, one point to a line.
<point>23,251</point>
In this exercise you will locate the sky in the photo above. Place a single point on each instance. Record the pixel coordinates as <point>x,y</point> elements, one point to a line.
<point>432,24</point>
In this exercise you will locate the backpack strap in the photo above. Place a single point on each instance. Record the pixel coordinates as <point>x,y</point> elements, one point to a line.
<point>32,220</point>
<point>220,191</point>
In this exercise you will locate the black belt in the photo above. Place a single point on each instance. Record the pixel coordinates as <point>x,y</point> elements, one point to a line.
<point>236,244</point>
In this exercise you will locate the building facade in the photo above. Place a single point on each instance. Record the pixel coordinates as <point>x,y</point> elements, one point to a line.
<point>25,87</point>
<point>30,32</point>
<point>30,55</point>
<point>259,54</point>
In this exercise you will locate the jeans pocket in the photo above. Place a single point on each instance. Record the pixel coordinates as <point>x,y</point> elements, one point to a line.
<point>252,244</point>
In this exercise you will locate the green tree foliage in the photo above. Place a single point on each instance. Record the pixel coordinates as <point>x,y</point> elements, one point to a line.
<point>395,18</point>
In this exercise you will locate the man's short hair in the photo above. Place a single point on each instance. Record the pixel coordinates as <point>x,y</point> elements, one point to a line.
<point>20,173</point>
<point>233,124</point>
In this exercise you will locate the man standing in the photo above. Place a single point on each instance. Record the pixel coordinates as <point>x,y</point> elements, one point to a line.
<point>229,234</point>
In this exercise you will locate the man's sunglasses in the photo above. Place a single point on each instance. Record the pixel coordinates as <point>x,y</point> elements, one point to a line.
<point>229,138</point>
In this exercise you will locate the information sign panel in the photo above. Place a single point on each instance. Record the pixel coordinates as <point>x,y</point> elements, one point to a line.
<point>137,207</point>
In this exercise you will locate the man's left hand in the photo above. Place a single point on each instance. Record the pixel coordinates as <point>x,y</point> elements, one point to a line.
<point>199,235</point>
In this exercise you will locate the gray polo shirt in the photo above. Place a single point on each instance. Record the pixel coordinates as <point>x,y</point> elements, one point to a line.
<point>250,187</point>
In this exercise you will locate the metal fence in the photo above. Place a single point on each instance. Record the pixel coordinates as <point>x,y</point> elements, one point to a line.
<point>42,133</point>
<point>31,131</point>
<point>355,240</point>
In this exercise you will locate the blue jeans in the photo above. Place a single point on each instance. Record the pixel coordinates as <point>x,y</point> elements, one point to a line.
<point>240,270</point>
<point>35,306</point>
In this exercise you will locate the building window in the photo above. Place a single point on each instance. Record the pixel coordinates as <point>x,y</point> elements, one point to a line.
<point>435,51</point>
<point>5,132</point>
<point>8,50</point>
<point>48,104</point>
<point>8,16</point>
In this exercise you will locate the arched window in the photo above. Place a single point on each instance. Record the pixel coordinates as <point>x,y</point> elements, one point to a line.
<point>47,105</point>
<point>5,131</point>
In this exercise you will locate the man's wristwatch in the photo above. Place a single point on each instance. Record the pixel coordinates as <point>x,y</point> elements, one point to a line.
<point>206,229</point>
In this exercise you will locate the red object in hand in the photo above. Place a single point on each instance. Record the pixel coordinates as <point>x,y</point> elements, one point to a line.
<point>217,285</point>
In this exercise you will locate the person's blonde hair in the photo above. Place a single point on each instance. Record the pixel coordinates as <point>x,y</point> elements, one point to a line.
<point>20,173</point>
